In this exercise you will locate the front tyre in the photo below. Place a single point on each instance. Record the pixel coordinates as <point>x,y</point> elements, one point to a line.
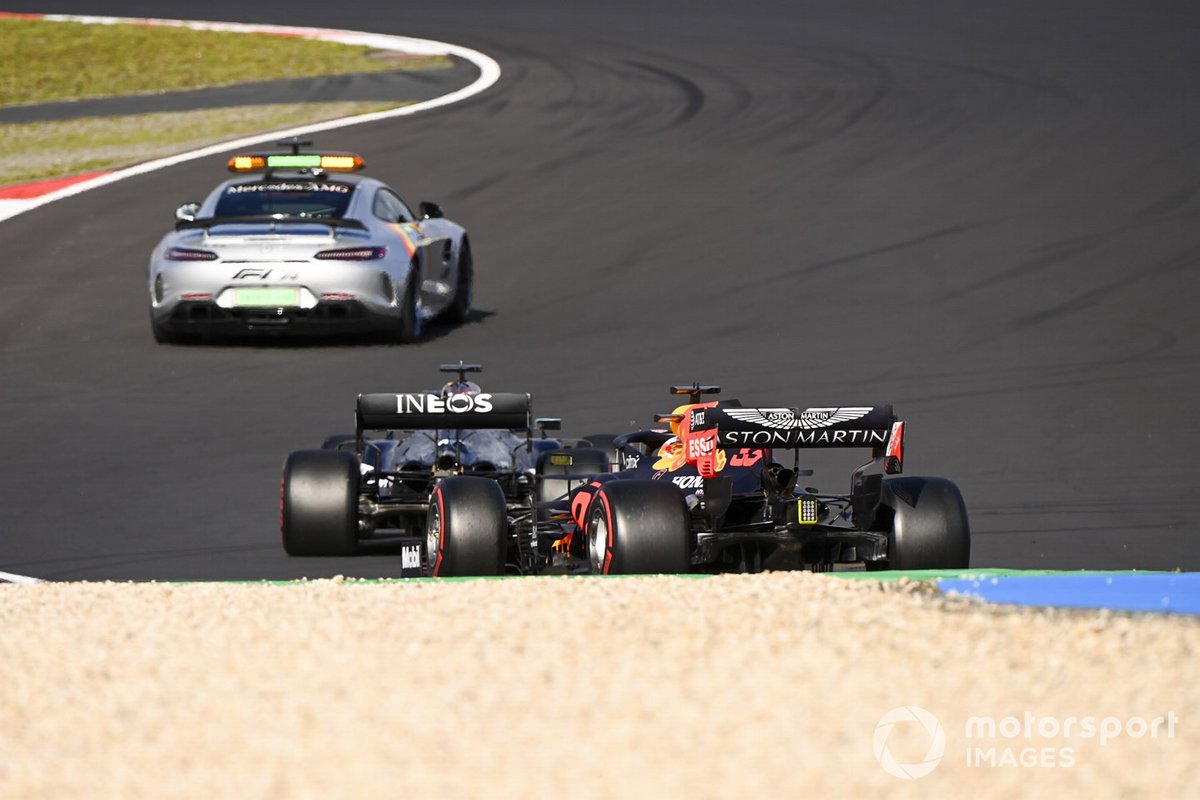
<point>466,530</point>
<point>319,503</point>
<point>638,528</point>
<point>929,527</point>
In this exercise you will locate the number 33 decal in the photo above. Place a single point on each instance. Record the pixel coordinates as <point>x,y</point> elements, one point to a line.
<point>746,457</point>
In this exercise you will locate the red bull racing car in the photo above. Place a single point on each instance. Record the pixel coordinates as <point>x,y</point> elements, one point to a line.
<point>712,494</point>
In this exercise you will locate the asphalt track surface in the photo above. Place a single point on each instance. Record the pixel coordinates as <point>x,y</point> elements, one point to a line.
<point>985,214</point>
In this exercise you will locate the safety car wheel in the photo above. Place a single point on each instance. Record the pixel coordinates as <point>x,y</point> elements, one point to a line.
<point>164,335</point>
<point>928,527</point>
<point>319,504</point>
<point>408,327</point>
<point>464,287</point>
<point>637,528</point>
<point>466,529</point>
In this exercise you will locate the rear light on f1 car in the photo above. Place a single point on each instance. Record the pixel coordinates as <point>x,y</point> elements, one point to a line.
<point>807,510</point>
<point>352,254</point>
<point>190,254</point>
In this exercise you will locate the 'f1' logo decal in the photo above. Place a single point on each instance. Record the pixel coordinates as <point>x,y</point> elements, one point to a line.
<point>252,272</point>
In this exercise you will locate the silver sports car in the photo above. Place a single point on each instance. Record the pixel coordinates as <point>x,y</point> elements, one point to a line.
<point>296,242</point>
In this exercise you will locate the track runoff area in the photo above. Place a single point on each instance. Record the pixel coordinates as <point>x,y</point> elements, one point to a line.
<point>1125,591</point>
<point>1174,593</point>
<point>20,198</point>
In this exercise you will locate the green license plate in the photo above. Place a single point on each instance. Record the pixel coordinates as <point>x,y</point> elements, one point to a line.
<point>276,298</point>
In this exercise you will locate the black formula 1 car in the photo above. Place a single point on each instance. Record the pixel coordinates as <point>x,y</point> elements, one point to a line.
<point>709,495</point>
<point>453,476</point>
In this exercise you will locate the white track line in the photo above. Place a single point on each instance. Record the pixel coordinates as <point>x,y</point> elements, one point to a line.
<point>489,73</point>
<point>8,577</point>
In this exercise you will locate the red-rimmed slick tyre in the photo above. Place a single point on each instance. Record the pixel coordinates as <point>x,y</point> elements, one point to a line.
<point>466,532</point>
<point>638,528</point>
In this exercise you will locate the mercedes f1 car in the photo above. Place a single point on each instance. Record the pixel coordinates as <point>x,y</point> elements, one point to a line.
<point>705,494</point>
<point>453,477</point>
<point>297,242</point>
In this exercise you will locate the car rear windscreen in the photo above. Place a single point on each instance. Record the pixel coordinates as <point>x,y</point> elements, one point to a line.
<point>293,198</point>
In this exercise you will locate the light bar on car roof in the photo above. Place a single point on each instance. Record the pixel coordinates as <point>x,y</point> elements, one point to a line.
<point>330,162</point>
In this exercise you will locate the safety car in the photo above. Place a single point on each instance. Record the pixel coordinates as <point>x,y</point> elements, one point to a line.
<point>300,242</point>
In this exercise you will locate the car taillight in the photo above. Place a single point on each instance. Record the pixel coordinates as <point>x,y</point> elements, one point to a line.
<point>190,254</point>
<point>352,254</point>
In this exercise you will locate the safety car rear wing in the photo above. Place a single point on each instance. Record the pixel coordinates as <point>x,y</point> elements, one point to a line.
<point>268,219</point>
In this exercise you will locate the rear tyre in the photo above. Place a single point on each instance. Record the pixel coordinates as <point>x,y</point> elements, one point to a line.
<point>929,527</point>
<point>319,505</point>
<point>409,327</point>
<point>164,335</point>
<point>463,289</point>
<point>638,528</point>
<point>467,528</point>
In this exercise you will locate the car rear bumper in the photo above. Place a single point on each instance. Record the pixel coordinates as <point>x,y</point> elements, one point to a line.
<point>327,317</point>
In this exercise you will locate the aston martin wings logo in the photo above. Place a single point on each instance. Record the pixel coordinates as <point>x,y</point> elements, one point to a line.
<point>809,419</point>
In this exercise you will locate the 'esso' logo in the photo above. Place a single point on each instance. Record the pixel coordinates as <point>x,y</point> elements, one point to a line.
<point>432,404</point>
<point>699,447</point>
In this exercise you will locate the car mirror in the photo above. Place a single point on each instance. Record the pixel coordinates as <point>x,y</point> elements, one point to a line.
<point>187,212</point>
<point>431,211</point>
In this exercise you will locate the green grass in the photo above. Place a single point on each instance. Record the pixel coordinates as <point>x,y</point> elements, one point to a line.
<point>50,149</point>
<point>46,61</point>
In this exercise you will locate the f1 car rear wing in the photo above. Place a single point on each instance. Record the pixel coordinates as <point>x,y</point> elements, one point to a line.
<point>706,427</point>
<point>425,411</point>
<point>826,426</point>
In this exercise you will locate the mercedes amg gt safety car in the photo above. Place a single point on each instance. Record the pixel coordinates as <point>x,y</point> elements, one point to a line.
<point>298,242</point>
<point>449,477</point>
